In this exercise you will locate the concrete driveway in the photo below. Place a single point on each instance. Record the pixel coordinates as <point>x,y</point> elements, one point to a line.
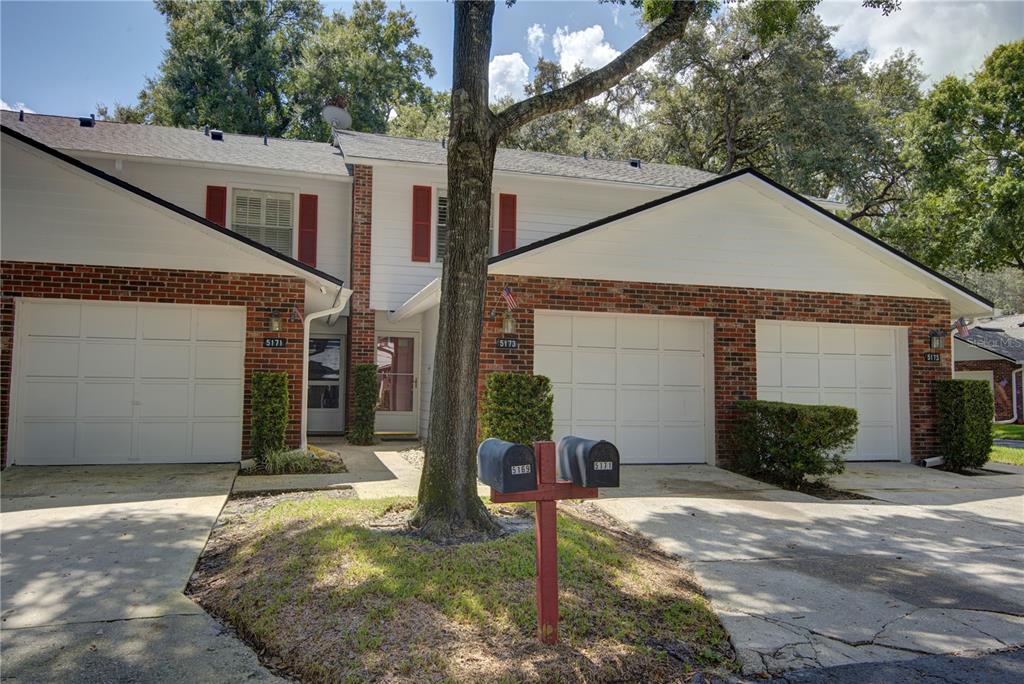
<point>934,564</point>
<point>95,560</point>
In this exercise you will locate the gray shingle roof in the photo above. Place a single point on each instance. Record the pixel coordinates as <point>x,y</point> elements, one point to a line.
<point>1004,335</point>
<point>373,146</point>
<point>183,144</point>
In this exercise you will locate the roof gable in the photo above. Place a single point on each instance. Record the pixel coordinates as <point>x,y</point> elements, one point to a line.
<point>740,230</point>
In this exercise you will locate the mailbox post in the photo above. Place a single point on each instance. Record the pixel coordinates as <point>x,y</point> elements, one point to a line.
<point>548,492</point>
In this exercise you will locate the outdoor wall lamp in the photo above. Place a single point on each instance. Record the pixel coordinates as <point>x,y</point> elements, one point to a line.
<point>935,339</point>
<point>275,322</point>
<point>508,324</point>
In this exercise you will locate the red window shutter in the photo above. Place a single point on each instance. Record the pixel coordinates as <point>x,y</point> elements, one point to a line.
<point>307,229</point>
<point>217,205</point>
<point>506,223</point>
<point>421,206</point>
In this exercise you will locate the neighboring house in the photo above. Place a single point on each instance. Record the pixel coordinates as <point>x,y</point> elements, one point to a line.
<point>994,351</point>
<point>653,295</point>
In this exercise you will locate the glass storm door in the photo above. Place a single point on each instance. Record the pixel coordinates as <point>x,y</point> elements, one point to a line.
<point>398,394</point>
<point>326,388</point>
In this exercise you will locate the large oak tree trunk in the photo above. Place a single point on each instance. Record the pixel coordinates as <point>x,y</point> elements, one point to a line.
<point>448,500</point>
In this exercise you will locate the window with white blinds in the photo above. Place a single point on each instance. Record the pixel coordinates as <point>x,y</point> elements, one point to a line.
<point>442,225</point>
<point>265,217</point>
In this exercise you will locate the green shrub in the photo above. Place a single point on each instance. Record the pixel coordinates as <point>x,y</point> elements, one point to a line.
<point>965,422</point>
<point>283,462</point>
<point>517,408</point>
<point>364,410</point>
<point>786,443</point>
<point>269,413</point>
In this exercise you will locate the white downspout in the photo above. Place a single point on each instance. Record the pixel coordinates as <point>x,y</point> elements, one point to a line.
<point>1013,396</point>
<point>340,302</point>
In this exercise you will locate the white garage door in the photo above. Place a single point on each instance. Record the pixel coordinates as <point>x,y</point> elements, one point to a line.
<point>844,365</point>
<point>105,382</point>
<point>636,381</point>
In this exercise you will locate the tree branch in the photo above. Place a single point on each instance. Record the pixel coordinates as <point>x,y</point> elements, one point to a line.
<point>597,82</point>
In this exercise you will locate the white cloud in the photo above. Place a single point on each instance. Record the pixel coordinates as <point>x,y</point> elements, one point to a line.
<point>18,106</point>
<point>949,37</point>
<point>586,47</point>
<point>535,40</point>
<point>507,75</point>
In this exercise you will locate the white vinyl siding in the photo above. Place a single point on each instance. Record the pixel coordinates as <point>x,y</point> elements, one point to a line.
<point>266,217</point>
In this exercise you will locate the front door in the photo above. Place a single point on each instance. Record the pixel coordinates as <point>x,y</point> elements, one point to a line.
<point>326,385</point>
<point>398,394</point>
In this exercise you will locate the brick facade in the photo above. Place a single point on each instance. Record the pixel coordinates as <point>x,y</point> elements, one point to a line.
<point>1002,381</point>
<point>361,321</point>
<point>735,311</point>
<point>259,293</point>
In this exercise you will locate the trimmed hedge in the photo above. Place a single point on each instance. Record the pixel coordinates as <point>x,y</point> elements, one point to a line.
<point>269,413</point>
<point>517,408</point>
<point>787,443</point>
<point>364,409</point>
<point>965,422</point>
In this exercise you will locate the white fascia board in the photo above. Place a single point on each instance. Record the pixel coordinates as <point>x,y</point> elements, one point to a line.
<point>427,298</point>
<point>343,177</point>
<point>981,351</point>
<point>962,303</point>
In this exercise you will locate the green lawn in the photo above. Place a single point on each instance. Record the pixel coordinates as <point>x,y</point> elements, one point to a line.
<point>337,590</point>
<point>1008,431</point>
<point>1007,455</point>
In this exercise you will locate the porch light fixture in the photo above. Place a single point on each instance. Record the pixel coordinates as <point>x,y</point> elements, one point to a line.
<point>935,339</point>
<point>508,324</point>
<point>275,322</point>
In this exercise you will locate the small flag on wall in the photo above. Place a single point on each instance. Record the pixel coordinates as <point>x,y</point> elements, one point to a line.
<point>961,327</point>
<point>509,299</point>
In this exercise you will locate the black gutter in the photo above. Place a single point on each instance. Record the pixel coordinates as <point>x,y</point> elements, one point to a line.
<point>181,211</point>
<point>721,179</point>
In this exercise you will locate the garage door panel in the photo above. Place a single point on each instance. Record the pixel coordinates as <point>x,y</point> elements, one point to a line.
<point>642,442</point>
<point>171,361</point>
<point>110,322</point>
<point>800,339</point>
<point>216,440</point>
<point>105,442</point>
<point>875,442</point>
<point>49,399</point>
<point>875,407</point>
<point>682,334</point>
<point>51,359</point>
<point>682,444</point>
<point>59,320</point>
<point>800,371</point>
<point>769,394</point>
<point>552,329</point>
<point>810,397</point>
<point>838,371</point>
<point>682,370</point>
<point>877,341</point>
<point>597,431</point>
<point>679,406</point>
<point>48,441</point>
<point>219,326</point>
<point>768,336</point>
<point>638,405</point>
<point>562,399</point>
<point>769,370</point>
<point>593,331</point>
<point>641,333</point>
<point>108,360</point>
<point>593,367</point>
<point>163,400</point>
<point>218,401</point>
<point>106,400</point>
<point>556,364</point>
<point>164,442</point>
<point>215,362</point>
<point>591,403</point>
<point>875,373</point>
<point>838,340</point>
<point>847,399</point>
<point>166,323</point>
<point>638,368</point>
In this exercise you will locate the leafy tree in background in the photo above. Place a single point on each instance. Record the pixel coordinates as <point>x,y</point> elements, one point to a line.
<point>426,121</point>
<point>967,148</point>
<point>269,66</point>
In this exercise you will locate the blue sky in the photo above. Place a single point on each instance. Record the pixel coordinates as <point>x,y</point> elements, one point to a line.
<point>64,57</point>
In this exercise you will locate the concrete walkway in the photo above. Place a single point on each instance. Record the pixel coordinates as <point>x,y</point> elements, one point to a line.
<point>935,565</point>
<point>95,560</point>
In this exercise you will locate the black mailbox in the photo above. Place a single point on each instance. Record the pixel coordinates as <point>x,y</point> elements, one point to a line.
<point>506,467</point>
<point>588,462</point>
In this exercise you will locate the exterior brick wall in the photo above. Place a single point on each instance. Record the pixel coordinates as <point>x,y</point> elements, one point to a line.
<point>362,329</point>
<point>1003,385</point>
<point>258,293</point>
<point>735,311</point>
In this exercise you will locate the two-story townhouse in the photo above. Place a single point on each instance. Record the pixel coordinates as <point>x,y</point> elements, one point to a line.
<point>653,295</point>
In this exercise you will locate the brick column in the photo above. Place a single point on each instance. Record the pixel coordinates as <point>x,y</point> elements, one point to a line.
<point>361,329</point>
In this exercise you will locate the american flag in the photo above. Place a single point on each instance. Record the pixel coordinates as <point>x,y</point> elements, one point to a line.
<point>509,299</point>
<point>961,327</point>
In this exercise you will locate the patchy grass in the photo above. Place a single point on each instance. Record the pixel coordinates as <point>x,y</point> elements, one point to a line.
<point>335,590</point>
<point>1008,431</point>
<point>1006,455</point>
<point>315,460</point>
